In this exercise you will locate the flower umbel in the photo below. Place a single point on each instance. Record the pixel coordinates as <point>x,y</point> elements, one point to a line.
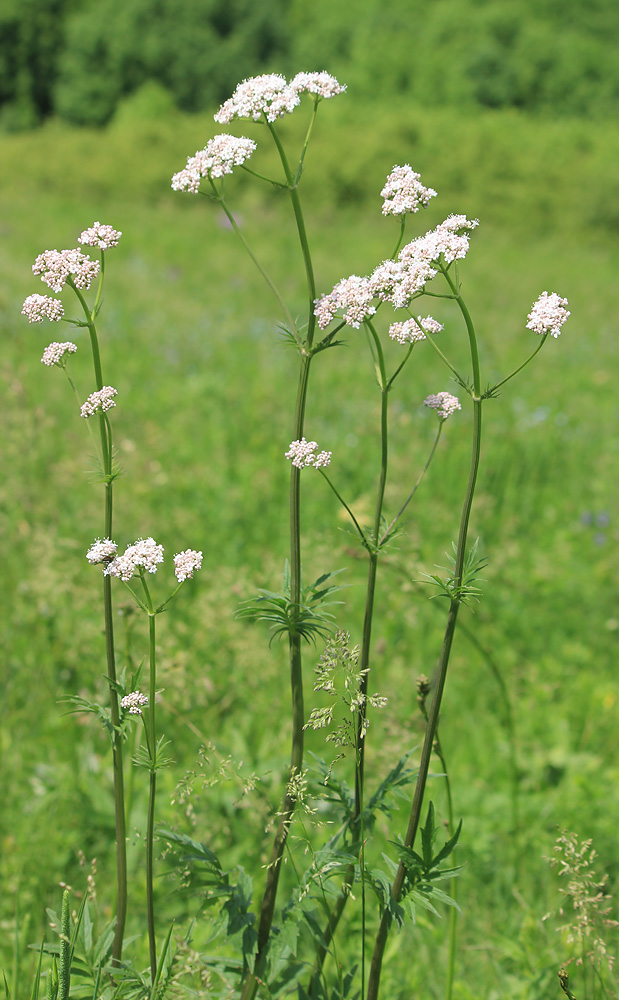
<point>303,453</point>
<point>414,330</point>
<point>319,84</point>
<point>269,95</point>
<point>56,266</point>
<point>218,157</point>
<point>99,401</point>
<point>143,554</point>
<point>186,564</point>
<point>102,550</point>
<point>403,192</point>
<point>100,236</point>
<point>444,403</point>
<point>54,353</point>
<point>135,702</point>
<point>40,307</point>
<point>548,314</point>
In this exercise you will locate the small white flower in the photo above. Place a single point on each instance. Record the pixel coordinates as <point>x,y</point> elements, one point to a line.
<point>186,564</point>
<point>218,157</point>
<point>353,296</point>
<point>135,702</point>
<point>54,353</point>
<point>303,454</point>
<point>548,314</point>
<point>320,84</point>
<point>269,95</point>
<point>102,550</point>
<point>56,266</point>
<point>444,403</point>
<point>99,401</point>
<point>403,192</point>
<point>145,554</point>
<point>100,236</point>
<point>39,307</point>
<point>414,330</point>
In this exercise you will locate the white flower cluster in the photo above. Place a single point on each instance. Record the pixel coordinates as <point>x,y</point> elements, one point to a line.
<point>403,192</point>
<point>135,702</point>
<point>397,281</point>
<point>320,84</point>
<point>219,156</point>
<point>413,330</point>
<point>102,550</point>
<point>548,314</point>
<point>272,96</point>
<point>186,564</point>
<point>55,352</point>
<point>99,401</point>
<point>40,307</point>
<point>100,236</point>
<point>145,554</point>
<point>55,266</point>
<point>444,403</point>
<point>353,296</point>
<point>268,94</point>
<point>303,453</point>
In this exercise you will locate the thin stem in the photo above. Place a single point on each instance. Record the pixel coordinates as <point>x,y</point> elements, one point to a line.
<point>364,659</point>
<point>524,365</point>
<point>346,507</point>
<point>298,214</point>
<point>388,530</point>
<point>400,237</point>
<point>117,754</point>
<point>443,663</point>
<point>445,359</point>
<point>299,170</point>
<point>400,366</point>
<point>152,789</point>
<point>291,323</point>
<point>267,908</point>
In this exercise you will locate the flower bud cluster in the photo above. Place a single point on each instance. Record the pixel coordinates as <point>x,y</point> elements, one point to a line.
<point>548,314</point>
<point>55,352</point>
<point>40,307</point>
<point>303,453</point>
<point>413,330</point>
<point>99,401</point>
<point>397,281</point>
<point>143,554</point>
<point>135,702</point>
<point>100,236</point>
<point>403,192</point>
<point>56,266</point>
<point>272,96</point>
<point>444,403</point>
<point>186,564</point>
<point>218,157</point>
<point>102,550</point>
<point>319,84</point>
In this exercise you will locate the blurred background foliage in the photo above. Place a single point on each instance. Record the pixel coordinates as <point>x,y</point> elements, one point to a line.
<point>78,60</point>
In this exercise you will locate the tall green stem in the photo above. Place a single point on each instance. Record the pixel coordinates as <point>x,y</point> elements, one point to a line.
<point>364,659</point>
<point>117,754</point>
<point>267,908</point>
<point>152,789</point>
<point>443,663</point>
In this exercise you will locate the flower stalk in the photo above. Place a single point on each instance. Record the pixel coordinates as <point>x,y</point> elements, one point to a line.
<point>117,749</point>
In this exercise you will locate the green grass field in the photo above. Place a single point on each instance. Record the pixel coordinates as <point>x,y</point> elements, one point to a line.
<point>206,392</point>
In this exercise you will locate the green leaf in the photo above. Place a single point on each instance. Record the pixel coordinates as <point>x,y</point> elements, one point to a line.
<point>427,837</point>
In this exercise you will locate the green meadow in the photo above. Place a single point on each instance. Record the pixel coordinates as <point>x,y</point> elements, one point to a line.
<point>206,388</point>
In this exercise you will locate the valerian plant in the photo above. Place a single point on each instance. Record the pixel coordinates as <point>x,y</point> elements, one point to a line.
<point>289,942</point>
